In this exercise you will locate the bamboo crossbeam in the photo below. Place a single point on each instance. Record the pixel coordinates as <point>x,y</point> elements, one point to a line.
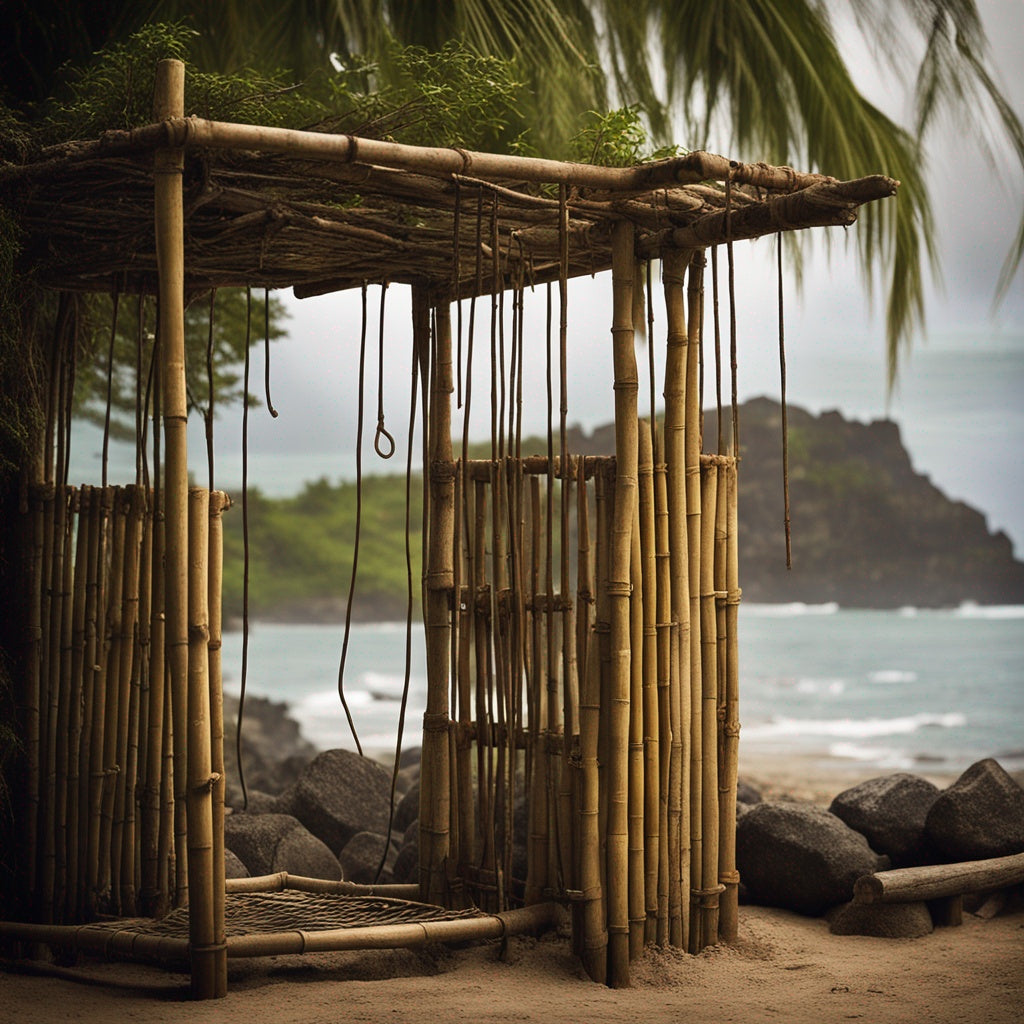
<point>937,881</point>
<point>187,132</point>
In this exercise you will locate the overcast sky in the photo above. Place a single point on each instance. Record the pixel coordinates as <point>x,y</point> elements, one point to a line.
<point>957,401</point>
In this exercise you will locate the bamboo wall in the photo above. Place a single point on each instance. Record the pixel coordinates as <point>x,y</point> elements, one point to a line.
<point>101,743</point>
<point>582,671</point>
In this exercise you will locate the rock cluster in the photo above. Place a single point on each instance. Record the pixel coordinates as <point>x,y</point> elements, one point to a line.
<point>806,858</point>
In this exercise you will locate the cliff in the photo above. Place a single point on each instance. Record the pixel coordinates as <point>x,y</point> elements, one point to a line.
<point>867,530</point>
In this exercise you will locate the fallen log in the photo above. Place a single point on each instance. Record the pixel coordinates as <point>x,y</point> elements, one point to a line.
<point>937,881</point>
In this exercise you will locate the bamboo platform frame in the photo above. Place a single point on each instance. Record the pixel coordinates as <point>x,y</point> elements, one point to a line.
<point>606,692</point>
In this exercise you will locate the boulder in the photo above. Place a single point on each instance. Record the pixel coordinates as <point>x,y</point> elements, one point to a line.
<point>267,843</point>
<point>408,809</point>
<point>746,793</point>
<point>339,794</point>
<point>885,920</point>
<point>410,757</point>
<point>258,802</point>
<point>361,858</point>
<point>407,863</point>
<point>890,813</point>
<point>800,857</point>
<point>980,815</point>
<point>233,867</point>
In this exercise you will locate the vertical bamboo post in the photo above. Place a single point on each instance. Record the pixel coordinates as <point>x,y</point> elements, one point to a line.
<point>435,798</point>
<point>208,956</point>
<point>727,873</point>
<point>144,654</point>
<point>638,670</point>
<point>708,925</point>
<point>219,503</point>
<point>651,680</point>
<point>693,533</point>
<point>677,546</point>
<point>669,755</point>
<point>65,700</point>
<point>626,388</point>
<point>33,688</point>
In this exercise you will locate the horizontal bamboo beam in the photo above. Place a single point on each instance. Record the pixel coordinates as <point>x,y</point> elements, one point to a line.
<point>935,881</point>
<point>281,880</point>
<point>680,170</point>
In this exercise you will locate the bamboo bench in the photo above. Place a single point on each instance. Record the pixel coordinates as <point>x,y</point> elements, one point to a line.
<point>942,886</point>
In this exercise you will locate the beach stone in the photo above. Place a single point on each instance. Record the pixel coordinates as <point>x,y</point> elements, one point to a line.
<point>233,867</point>
<point>407,863</point>
<point>980,815</point>
<point>410,757</point>
<point>747,793</point>
<point>884,920</point>
<point>408,809</point>
<point>339,794</point>
<point>258,802</point>
<point>800,857</point>
<point>890,812</point>
<point>361,855</point>
<point>268,843</point>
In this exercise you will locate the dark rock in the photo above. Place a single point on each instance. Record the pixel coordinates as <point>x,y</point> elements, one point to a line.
<point>885,920</point>
<point>361,858</point>
<point>407,778</point>
<point>742,808</point>
<point>258,802</point>
<point>267,843</point>
<point>890,813</point>
<point>410,757</point>
<point>746,793</point>
<point>408,809</point>
<point>800,857</point>
<point>339,794</point>
<point>407,865</point>
<point>233,867</point>
<point>981,815</point>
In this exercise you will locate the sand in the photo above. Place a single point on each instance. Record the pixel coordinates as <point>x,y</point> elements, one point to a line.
<point>783,967</point>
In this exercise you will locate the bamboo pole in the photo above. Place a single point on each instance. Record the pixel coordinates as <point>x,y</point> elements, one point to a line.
<point>676,459</point>
<point>208,955</point>
<point>651,726</point>
<point>65,699</point>
<point>144,653</point>
<point>727,873</point>
<point>111,683</point>
<point>98,761</point>
<point>709,893</point>
<point>593,940</point>
<point>435,800</point>
<point>626,387</point>
<point>79,702</point>
<point>464,688</point>
<point>637,677</point>
<point>33,688</point>
<point>693,533</point>
<point>90,522</point>
<point>168,166</point>
<point>219,503</point>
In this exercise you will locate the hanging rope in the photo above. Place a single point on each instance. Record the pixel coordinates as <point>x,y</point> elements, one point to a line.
<point>245,549</point>
<point>115,300</point>
<point>732,313</point>
<point>408,602</point>
<point>359,523</point>
<point>718,344</point>
<point>384,453</point>
<point>785,417</point>
<point>208,415</point>
<point>266,353</point>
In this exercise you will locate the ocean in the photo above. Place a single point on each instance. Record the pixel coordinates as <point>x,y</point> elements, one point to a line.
<point>905,690</point>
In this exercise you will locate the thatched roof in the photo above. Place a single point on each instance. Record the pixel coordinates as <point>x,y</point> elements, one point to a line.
<point>316,212</point>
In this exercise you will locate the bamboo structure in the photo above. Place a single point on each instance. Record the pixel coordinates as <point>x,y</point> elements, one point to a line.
<point>580,613</point>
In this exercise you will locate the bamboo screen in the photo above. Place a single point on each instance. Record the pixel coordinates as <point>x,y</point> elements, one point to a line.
<point>108,748</point>
<point>580,620</point>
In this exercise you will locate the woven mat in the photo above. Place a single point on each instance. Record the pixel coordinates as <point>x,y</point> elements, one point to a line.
<point>258,912</point>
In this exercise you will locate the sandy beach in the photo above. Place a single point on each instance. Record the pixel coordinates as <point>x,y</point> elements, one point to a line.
<point>783,967</point>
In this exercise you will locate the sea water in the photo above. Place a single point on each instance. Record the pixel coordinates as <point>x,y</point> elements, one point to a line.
<point>908,689</point>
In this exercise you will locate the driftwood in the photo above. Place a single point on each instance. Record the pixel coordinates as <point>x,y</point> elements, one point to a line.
<point>937,881</point>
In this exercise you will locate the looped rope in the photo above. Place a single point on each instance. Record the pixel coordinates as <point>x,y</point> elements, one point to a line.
<point>382,432</point>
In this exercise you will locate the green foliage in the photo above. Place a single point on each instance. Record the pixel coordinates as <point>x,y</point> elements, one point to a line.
<point>300,548</point>
<point>232,325</point>
<point>618,138</point>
